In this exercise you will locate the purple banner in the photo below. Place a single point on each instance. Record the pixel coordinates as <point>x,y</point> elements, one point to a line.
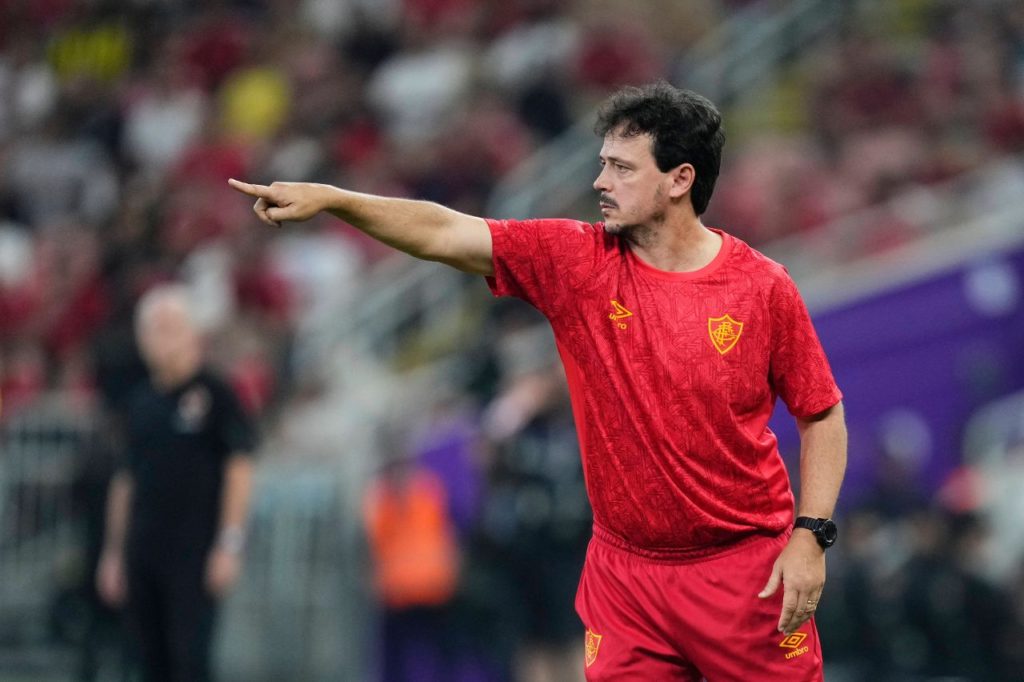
<point>914,363</point>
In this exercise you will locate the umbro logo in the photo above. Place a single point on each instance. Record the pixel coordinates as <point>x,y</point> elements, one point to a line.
<point>619,313</point>
<point>793,642</point>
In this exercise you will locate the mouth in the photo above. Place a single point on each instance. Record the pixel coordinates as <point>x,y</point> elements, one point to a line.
<point>607,207</point>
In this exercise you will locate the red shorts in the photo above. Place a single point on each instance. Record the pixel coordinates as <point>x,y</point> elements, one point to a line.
<point>652,619</point>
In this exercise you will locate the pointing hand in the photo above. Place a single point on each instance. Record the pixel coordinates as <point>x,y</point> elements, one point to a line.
<point>282,201</point>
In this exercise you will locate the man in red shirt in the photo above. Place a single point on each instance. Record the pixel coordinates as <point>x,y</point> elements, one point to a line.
<point>676,339</point>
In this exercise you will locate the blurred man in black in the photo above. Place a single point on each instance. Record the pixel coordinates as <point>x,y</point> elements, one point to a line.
<point>177,506</point>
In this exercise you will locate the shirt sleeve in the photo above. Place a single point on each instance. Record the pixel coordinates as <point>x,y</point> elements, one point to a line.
<point>236,430</point>
<point>800,371</point>
<point>541,261</point>
<point>123,420</point>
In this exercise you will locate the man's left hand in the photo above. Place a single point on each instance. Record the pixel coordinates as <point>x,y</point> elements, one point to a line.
<point>800,569</point>
<point>222,570</point>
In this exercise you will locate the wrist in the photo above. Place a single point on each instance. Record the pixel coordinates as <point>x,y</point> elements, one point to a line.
<point>823,530</point>
<point>231,540</point>
<point>111,552</point>
<point>329,197</point>
<point>805,535</point>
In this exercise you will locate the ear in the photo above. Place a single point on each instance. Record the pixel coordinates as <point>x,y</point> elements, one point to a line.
<point>682,177</point>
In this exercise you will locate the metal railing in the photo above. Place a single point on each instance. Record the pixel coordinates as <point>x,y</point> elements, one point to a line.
<point>736,60</point>
<point>745,53</point>
<point>398,297</point>
<point>401,296</point>
<point>971,214</point>
<point>39,461</point>
<point>302,609</point>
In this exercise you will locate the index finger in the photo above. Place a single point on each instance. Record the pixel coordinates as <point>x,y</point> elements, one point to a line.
<point>249,188</point>
<point>789,608</point>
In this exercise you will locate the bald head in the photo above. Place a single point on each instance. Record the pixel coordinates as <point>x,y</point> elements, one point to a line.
<point>164,300</point>
<point>167,334</point>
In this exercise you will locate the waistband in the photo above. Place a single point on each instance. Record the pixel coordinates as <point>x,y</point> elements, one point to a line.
<point>683,555</point>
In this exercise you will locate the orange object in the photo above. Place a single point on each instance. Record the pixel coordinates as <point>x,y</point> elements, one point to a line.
<point>412,540</point>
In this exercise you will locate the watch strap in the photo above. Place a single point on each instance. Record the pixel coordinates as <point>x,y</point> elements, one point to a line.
<point>811,524</point>
<point>824,530</point>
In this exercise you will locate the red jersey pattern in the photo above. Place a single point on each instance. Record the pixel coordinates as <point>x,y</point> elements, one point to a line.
<point>672,378</point>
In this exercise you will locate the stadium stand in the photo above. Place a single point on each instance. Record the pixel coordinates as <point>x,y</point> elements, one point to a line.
<point>874,148</point>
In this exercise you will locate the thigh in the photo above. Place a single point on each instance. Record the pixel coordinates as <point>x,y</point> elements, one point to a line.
<point>190,613</point>
<point>625,638</point>
<point>146,618</point>
<point>729,632</point>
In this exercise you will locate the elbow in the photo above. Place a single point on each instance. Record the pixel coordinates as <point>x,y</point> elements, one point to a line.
<point>835,412</point>
<point>438,246</point>
<point>240,465</point>
<point>831,418</point>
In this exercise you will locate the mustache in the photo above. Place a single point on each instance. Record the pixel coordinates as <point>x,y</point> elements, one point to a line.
<point>605,199</point>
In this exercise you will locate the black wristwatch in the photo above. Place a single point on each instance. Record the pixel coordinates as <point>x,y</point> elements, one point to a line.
<point>824,529</point>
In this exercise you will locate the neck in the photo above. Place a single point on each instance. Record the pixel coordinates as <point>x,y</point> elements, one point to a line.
<point>168,378</point>
<point>682,245</point>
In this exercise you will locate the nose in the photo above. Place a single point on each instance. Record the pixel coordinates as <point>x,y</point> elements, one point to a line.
<point>600,183</point>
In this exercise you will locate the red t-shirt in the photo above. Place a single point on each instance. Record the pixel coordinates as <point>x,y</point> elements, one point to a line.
<point>673,377</point>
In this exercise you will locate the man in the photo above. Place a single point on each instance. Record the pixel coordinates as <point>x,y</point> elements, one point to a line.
<point>176,510</point>
<point>676,338</point>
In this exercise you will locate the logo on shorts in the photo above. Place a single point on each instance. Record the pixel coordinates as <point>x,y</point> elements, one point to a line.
<point>793,642</point>
<point>724,332</point>
<point>593,643</point>
<point>619,313</point>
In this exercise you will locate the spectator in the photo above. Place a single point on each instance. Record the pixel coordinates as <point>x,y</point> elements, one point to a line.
<point>177,507</point>
<point>412,540</point>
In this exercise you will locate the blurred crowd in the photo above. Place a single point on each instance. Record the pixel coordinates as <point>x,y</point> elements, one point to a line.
<point>913,592</point>
<point>478,520</point>
<point>121,121</point>
<point>924,585</point>
<point>911,94</point>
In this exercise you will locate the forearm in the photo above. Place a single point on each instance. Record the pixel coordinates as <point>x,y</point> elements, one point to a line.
<point>119,500</point>
<point>419,228</point>
<point>235,496</point>
<point>822,462</point>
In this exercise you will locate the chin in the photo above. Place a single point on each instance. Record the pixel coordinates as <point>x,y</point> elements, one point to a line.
<point>619,228</point>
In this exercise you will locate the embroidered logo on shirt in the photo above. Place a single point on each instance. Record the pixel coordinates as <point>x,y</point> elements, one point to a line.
<point>793,642</point>
<point>591,646</point>
<point>193,407</point>
<point>619,313</point>
<point>725,332</point>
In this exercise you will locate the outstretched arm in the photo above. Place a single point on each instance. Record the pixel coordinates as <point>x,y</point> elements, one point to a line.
<point>801,566</point>
<point>420,228</point>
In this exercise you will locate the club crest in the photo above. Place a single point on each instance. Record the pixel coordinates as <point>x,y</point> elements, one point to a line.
<point>724,332</point>
<point>592,645</point>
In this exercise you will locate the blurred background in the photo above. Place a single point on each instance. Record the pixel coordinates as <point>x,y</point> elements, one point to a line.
<point>874,147</point>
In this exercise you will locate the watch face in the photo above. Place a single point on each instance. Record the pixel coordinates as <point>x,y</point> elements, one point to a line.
<point>829,533</point>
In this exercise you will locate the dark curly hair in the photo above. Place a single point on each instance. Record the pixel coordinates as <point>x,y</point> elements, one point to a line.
<point>686,128</point>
